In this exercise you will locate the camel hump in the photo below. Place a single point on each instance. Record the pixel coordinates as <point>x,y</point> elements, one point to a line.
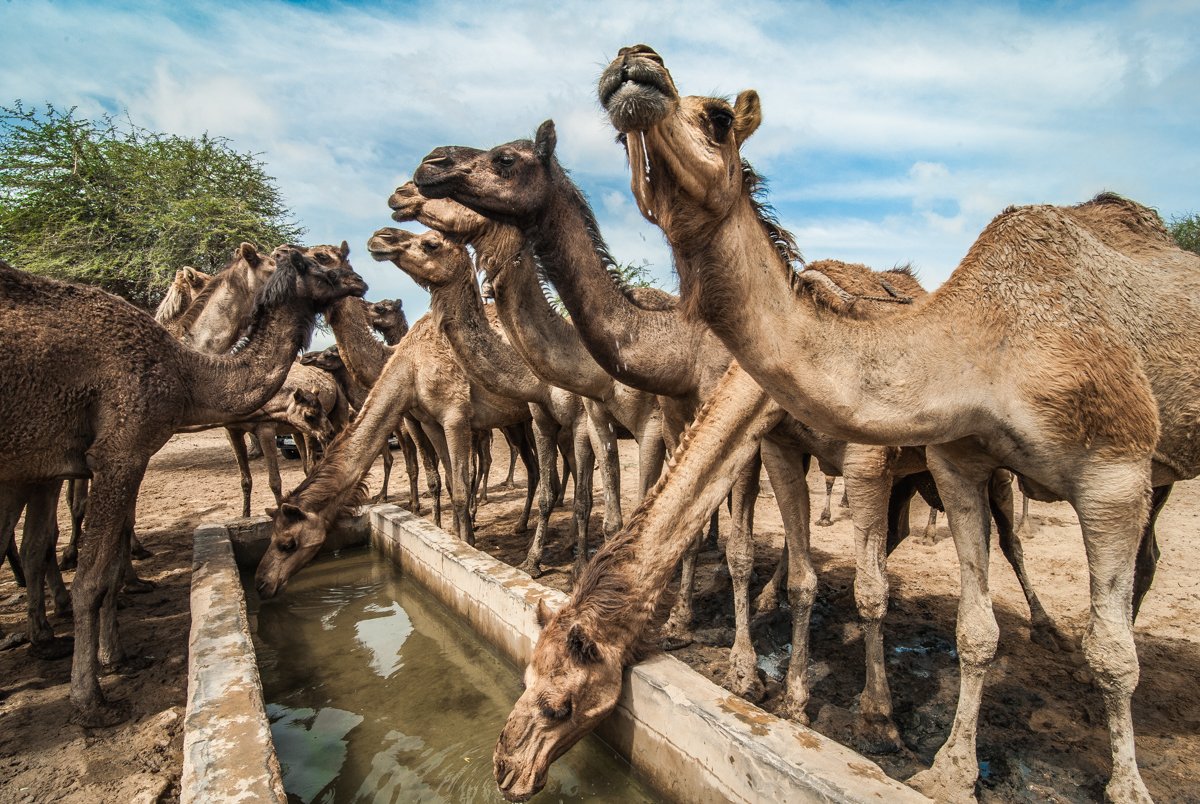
<point>840,285</point>
<point>1123,225</point>
<point>653,299</point>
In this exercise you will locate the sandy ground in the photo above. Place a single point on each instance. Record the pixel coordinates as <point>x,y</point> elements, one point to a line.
<point>1042,729</point>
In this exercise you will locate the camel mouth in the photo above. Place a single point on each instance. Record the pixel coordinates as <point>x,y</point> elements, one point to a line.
<point>636,91</point>
<point>405,202</point>
<point>384,244</point>
<point>516,786</point>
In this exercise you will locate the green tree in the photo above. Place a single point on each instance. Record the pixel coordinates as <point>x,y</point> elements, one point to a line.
<point>1186,231</point>
<point>112,204</point>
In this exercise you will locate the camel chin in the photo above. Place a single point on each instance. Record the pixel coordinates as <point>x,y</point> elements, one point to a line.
<point>636,106</point>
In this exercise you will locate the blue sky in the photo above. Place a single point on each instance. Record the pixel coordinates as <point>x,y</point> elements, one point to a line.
<point>892,133</point>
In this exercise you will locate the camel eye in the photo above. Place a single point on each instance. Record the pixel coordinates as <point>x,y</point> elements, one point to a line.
<point>722,122</point>
<point>323,258</point>
<point>430,245</point>
<point>560,713</point>
<point>506,160</point>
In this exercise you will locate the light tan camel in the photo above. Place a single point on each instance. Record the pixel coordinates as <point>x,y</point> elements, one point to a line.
<point>1063,347</point>
<point>445,269</point>
<point>522,183</point>
<point>184,289</point>
<point>548,343</point>
<point>110,386</point>
<point>422,378</point>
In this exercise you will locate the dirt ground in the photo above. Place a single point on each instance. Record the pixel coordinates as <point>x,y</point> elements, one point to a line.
<point>1042,729</point>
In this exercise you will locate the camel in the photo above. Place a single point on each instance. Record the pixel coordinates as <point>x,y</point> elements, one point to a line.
<point>445,269</point>
<point>184,289</point>
<point>549,344</point>
<point>109,386</point>
<point>521,183</point>
<point>1008,371</point>
<point>421,378</point>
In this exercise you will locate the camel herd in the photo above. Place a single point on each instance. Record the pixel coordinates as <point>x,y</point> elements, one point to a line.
<point>1062,351</point>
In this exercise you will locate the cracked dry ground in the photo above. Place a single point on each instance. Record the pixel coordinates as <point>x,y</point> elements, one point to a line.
<point>1042,730</point>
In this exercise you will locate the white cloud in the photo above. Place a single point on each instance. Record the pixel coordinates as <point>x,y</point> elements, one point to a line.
<point>924,121</point>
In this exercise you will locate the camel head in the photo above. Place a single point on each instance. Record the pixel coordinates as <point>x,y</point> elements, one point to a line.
<point>571,684</point>
<point>184,289</point>
<point>253,265</point>
<point>387,316</point>
<point>511,183</point>
<point>296,538</point>
<point>429,258</point>
<point>306,414</point>
<point>320,274</point>
<point>329,360</point>
<point>443,214</point>
<point>677,146</point>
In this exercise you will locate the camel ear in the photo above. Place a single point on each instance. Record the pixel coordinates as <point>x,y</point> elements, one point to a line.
<point>747,113</point>
<point>581,647</point>
<point>542,612</point>
<point>249,253</point>
<point>543,144</point>
<point>345,250</point>
<point>291,512</point>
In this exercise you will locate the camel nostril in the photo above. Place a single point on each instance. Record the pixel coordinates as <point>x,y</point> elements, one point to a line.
<point>440,159</point>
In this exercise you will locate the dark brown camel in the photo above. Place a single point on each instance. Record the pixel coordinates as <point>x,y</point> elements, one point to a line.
<point>109,386</point>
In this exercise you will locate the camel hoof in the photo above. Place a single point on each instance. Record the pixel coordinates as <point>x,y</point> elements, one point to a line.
<point>52,648</point>
<point>793,710</point>
<point>101,715</point>
<point>745,683</point>
<point>824,522</point>
<point>945,785</point>
<point>531,568</point>
<point>10,641</point>
<point>675,637</point>
<point>137,586</point>
<point>68,562</point>
<point>767,600</point>
<point>877,735</point>
<point>127,665</point>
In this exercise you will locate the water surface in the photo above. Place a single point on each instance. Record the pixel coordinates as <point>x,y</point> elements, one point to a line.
<point>375,692</point>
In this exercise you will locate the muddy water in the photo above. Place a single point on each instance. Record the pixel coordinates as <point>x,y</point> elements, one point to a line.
<point>375,692</point>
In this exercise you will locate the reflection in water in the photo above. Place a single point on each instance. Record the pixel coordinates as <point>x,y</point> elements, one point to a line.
<point>377,693</point>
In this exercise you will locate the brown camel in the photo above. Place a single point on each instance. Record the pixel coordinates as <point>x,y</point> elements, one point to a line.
<point>110,386</point>
<point>446,270</point>
<point>1008,372</point>
<point>548,343</point>
<point>423,378</point>
<point>186,286</point>
<point>522,183</point>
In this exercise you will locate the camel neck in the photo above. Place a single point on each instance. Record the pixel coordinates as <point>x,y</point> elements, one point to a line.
<point>634,568</point>
<point>838,374</point>
<point>646,349</point>
<point>459,313</point>
<point>231,386</point>
<point>361,351</point>
<point>547,342</point>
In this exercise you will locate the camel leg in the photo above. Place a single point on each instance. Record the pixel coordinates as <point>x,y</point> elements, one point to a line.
<point>585,464</point>
<point>509,482</point>
<point>826,518</point>
<point>136,550</point>
<point>485,465</point>
<point>522,434</point>
<point>425,435</point>
<point>37,545</point>
<point>1042,629</point>
<point>386,454</point>
<point>604,444</point>
<point>962,485</point>
<point>237,440</point>
<point>111,654</point>
<point>456,437</point>
<point>1113,511</point>
<point>845,501</point>
<point>768,598</point>
<point>545,434</point>
<point>652,451</point>
<point>14,561</point>
<point>77,494</point>
<point>304,445</point>
<point>1148,552</point>
<point>567,450</point>
<point>788,470</point>
<point>930,534</point>
<point>742,676</point>
<point>410,436</point>
<point>266,435</point>
<point>112,493</point>
<point>1024,528</point>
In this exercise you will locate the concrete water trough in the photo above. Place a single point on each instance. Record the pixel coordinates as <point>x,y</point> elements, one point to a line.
<point>689,739</point>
